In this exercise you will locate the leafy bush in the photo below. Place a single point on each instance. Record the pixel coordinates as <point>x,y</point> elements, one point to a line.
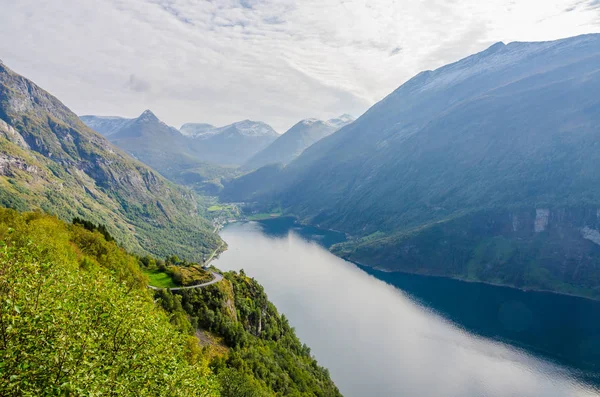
<point>76,319</point>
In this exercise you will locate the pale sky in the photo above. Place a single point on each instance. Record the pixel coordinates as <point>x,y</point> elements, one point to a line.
<point>277,61</point>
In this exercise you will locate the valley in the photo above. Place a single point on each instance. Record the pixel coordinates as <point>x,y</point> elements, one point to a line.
<point>481,170</point>
<point>388,334</point>
<point>445,242</point>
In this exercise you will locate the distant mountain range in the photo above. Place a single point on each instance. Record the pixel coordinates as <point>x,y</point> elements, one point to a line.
<point>230,145</point>
<point>485,169</point>
<point>162,147</point>
<point>294,141</point>
<point>202,155</point>
<point>52,161</point>
<point>146,137</point>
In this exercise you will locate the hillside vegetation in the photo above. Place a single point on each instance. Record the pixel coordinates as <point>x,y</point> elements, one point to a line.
<point>265,357</point>
<point>76,318</point>
<point>50,160</point>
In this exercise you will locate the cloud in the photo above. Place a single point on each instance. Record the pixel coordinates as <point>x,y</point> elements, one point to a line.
<point>137,84</point>
<point>395,51</point>
<point>273,60</point>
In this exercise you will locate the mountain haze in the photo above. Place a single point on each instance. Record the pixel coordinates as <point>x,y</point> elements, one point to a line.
<point>231,145</point>
<point>162,147</point>
<point>196,129</point>
<point>293,142</point>
<point>50,160</point>
<point>105,125</point>
<point>485,169</point>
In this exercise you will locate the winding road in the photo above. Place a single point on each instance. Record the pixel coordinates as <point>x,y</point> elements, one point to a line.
<point>216,276</point>
<point>216,279</point>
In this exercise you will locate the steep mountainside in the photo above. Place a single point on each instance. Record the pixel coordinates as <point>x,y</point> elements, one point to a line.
<point>50,160</point>
<point>293,142</point>
<point>231,145</point>
<point>161,147</point>
<point>443,161</point>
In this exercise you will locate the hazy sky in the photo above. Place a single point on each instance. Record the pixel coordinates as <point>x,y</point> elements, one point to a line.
<point>277,61</point>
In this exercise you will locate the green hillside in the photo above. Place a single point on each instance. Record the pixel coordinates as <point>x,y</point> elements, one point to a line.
<point>77,319</point>
<point>50,160</point>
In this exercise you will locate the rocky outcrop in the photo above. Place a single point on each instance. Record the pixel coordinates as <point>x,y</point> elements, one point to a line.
<point>541,219</point>
<point>9,164</point>
<point>12,135</point>
<point>591,234</point>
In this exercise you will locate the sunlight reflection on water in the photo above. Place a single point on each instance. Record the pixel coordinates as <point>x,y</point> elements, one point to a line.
<point>374,338</point>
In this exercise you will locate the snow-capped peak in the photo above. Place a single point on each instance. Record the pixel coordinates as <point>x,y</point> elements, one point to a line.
<point>245,127</point>
<point>311,121</point>
<point>196,129</point>
<point>341,121</point>
<point>252,128</point>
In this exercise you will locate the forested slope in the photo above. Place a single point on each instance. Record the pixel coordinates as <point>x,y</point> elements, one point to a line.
<point>77,318</point>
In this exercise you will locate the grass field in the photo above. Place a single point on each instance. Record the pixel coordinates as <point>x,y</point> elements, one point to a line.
<point>215,208</point>
<point>160,279</point>
<point>264,215</point>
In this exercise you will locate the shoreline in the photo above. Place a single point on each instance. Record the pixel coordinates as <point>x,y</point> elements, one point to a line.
<point>464,280</point>
<point>461,279</point>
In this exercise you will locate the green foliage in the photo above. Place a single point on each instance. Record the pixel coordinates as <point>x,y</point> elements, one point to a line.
<point>261,216</point>
<point>160,279</point>
<point>266,358</point>
<point>76,318</point>
<point>93,227</point>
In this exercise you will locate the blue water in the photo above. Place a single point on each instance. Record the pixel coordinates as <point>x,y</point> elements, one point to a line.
<point>391,334</point>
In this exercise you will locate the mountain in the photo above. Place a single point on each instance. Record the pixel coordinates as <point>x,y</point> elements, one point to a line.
<point>485,169</point>
<point>196,129</point>
<point>50,160</point>
<point>148,139</point>
<point>105,125</point>
<point>232,144</point>
<point>341,121</point>
<point>293,142</point>
<point>191,150</point>
<point>161,147</point>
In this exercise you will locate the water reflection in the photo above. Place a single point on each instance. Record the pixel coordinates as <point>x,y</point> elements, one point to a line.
<point>563,328</point>
<point>376,339</point>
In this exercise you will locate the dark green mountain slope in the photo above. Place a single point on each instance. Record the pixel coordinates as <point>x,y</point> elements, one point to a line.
<point>50,160</point>
<point>505,137</point>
